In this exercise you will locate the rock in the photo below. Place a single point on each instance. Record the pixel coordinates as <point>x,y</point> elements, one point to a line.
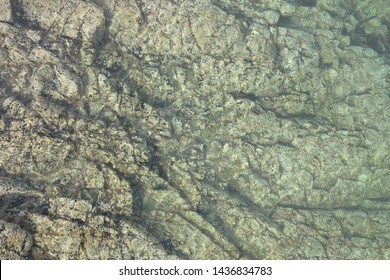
<point>372,26</point>
<point>16,242</point>
<point>6,11</point>
<point>194,129</point>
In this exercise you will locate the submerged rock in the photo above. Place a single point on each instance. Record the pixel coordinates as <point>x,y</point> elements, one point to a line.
<point>194,130</point>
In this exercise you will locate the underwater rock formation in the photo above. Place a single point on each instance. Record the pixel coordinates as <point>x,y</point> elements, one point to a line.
<point>207,129</point>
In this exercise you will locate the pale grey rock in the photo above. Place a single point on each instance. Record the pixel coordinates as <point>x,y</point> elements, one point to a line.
<point>6,11</point>
<point>66,208</point>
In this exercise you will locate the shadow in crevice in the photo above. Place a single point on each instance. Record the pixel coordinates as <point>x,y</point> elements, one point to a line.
<point>307,3</point>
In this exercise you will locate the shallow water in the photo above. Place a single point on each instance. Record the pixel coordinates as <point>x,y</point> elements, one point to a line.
<point>195,130</point>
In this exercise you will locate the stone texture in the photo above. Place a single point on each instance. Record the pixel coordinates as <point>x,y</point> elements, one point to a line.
<point>6,11</point>
<point>15,242</point>
<point>194,129</point>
